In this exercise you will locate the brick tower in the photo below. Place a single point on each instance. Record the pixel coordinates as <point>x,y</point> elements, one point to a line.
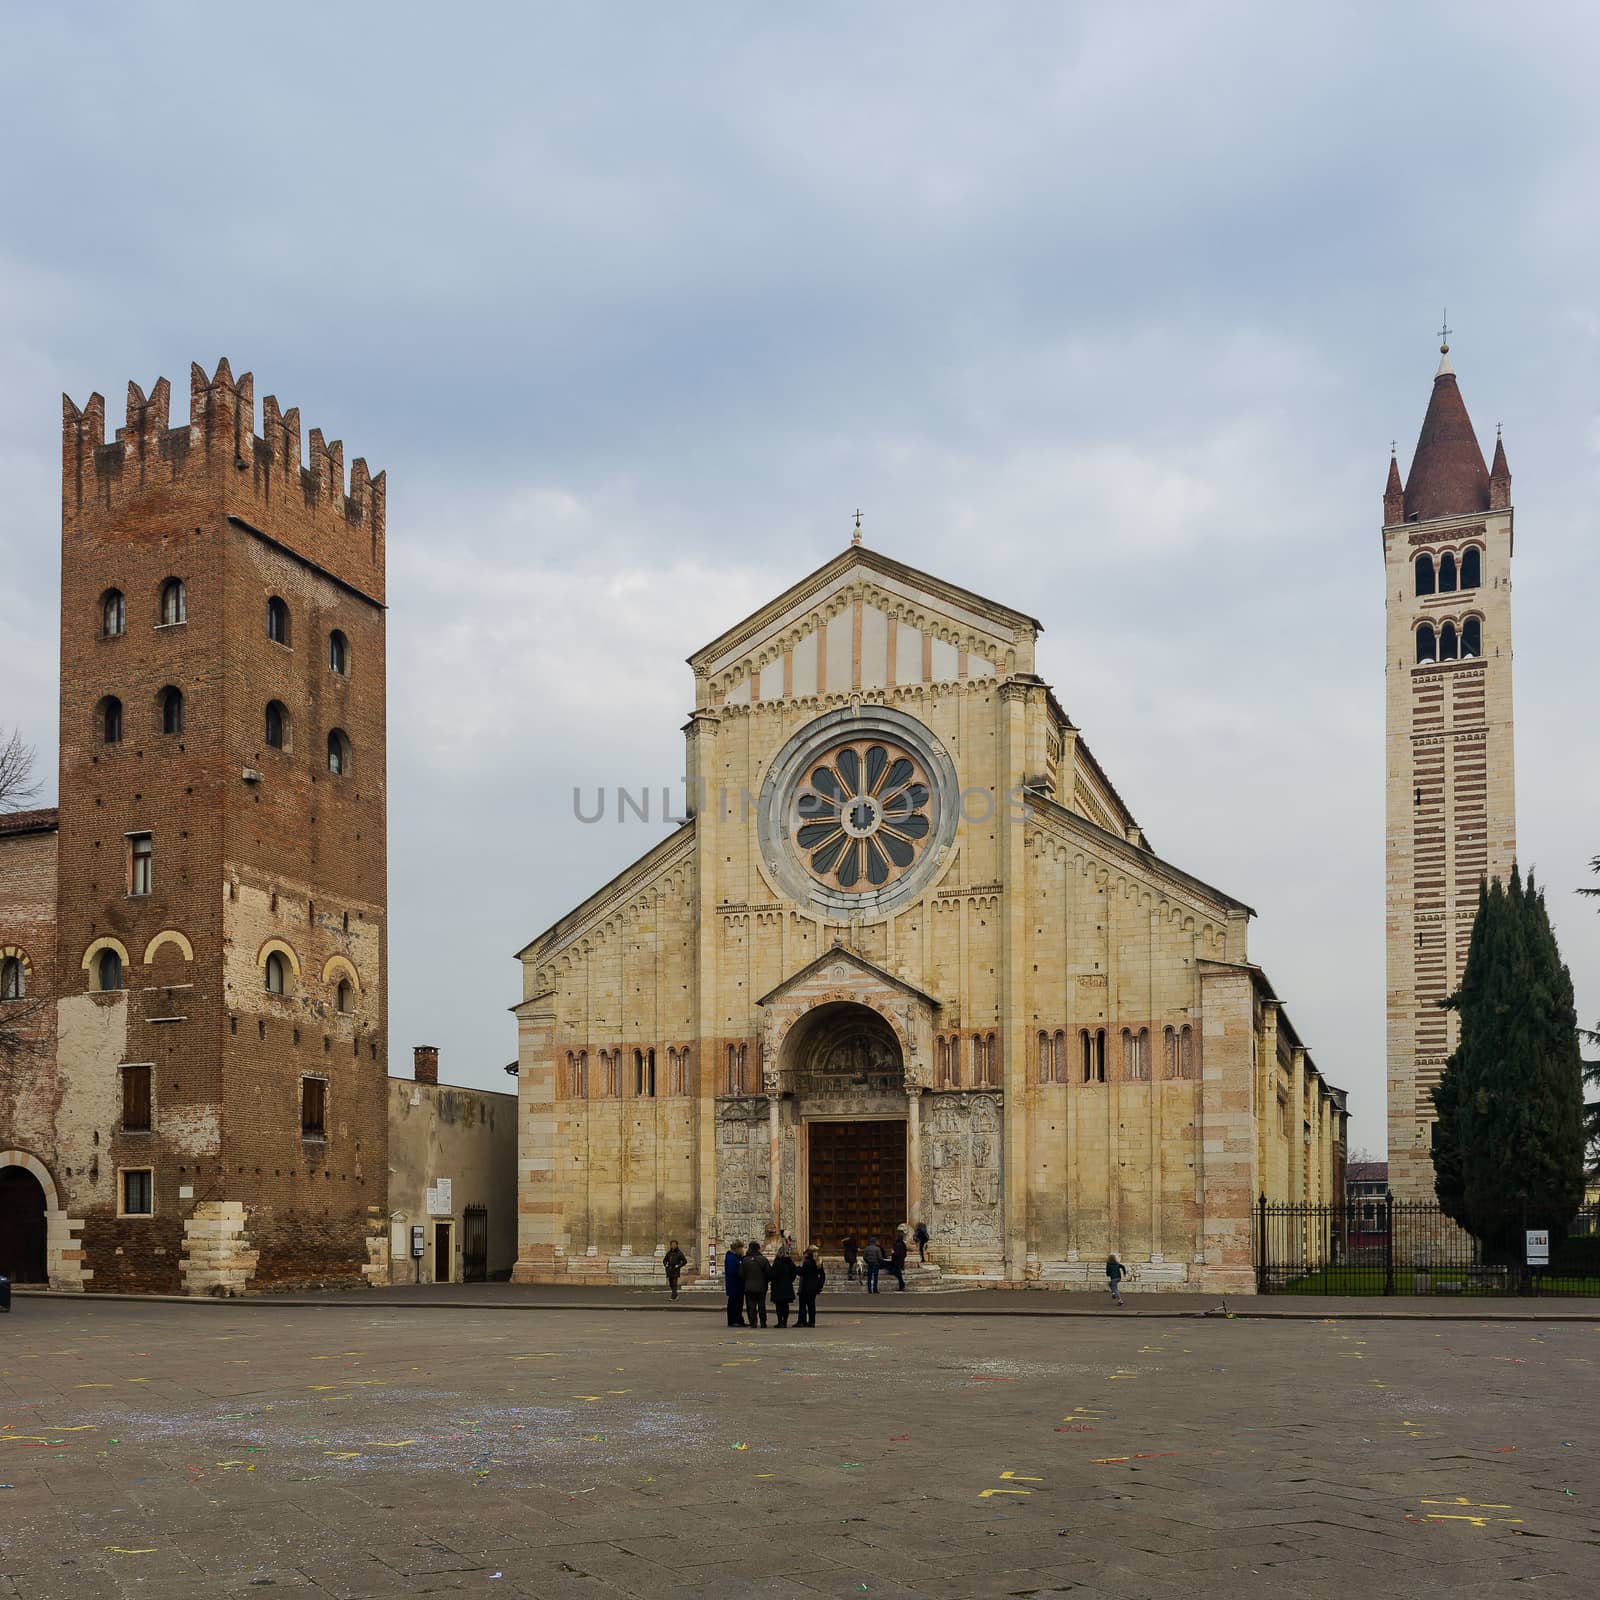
<point>1451,810</point>
<point>221,891</point>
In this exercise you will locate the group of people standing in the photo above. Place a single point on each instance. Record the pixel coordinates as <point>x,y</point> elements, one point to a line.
<point>749,1275</point>
<point>873,1259</point>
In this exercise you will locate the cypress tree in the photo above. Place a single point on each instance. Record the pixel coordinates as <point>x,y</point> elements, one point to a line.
<point>1509,1142</point>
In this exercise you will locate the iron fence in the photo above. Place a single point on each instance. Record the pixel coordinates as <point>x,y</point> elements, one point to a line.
<point>1384,1246</point>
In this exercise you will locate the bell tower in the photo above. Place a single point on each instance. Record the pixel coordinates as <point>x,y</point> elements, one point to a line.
<point>1451,810</point>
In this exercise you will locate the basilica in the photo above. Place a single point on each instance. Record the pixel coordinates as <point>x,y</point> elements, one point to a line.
<point>908,958</point>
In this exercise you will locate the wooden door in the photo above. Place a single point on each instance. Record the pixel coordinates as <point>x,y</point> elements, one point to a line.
<point>857,1181</point>
<point>475,1245</point>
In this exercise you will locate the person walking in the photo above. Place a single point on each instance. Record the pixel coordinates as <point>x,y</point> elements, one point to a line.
<point>781,1277</point>
<point>674,1261</point>
<point>872,1259</point>
<point>733,1284</point>
<point>897,1257</point>
<point>921,1235</point>
<point>810,1283</point>
<point>754,1271</point>
<point>1115,1273</point>
<point>848,1245</point>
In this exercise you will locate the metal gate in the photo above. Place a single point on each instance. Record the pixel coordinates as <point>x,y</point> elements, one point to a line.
<point>475,1245</point>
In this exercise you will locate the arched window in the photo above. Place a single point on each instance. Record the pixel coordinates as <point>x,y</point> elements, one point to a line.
<point>13,979</point>
<point>109,717</point>
<point>171,710</point>
<point>338,653</point>
<point>108,971</point>
<point>580,1082</point>
<point>613,1062</point>
<point>1169,1052</point>
<point>277,725</point>
<point>1447,642</point>
<point>1447,573</point>
<point>113,614</point>
<point>1186,1051</point>
<point>1045,1068</point>
<point>1058,1055</point>
<point>277,621</point>
<point>1427,646</point>
<point>342,995</point>
<point>174,602</point>
<point>276,972</point>
<point>1099,1055</point>
<point>1086,1044</point>
<point>1135,1054</point>
<point>1471,639</point>
<point>1471,567</point>
<point>732,1085</point>
<point>1424,574</point>
<point>338,753</point>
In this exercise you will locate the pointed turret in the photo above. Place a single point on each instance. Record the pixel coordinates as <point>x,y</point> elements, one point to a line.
<point>1499,477</point>
<point>1394,494</point>
<point>1447,477</point>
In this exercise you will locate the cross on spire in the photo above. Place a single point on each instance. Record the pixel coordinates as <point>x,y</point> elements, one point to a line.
<point>855,537</point>
<point>1445,330</point>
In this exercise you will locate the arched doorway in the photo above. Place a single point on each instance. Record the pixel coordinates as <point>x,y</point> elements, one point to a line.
<point>848,1075</point>
<point>23,1257</point>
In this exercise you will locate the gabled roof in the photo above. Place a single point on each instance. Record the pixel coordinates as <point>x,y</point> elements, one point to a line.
<point>830,572</point>
<point>47,819</point>
<point>841,952</point>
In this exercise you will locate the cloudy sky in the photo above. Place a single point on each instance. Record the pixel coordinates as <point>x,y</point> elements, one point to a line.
<point>1106,311</point>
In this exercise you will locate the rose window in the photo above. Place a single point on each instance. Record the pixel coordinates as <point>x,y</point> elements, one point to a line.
<point>861,815</point>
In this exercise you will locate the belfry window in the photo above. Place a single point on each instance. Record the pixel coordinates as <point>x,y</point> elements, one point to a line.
<point>174,602</point>
<point>113,614</point>
<point>171,710</point>
<point>1471,639</point>
<point>1447,573</point>
<point>1424,574</point>
<point>1427,646</point>
<point>1448,650</point>
<point>1471,567</point>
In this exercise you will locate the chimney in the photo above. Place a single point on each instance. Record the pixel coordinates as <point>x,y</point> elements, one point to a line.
<point>426,1060</point>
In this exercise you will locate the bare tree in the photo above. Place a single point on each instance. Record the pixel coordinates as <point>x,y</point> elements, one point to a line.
<point>17,782</point>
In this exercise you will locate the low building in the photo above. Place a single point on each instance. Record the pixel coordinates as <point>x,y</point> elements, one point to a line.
<point>453,1176</point>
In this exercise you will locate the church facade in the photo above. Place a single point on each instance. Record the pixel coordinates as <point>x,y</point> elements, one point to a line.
<point>909,957</point>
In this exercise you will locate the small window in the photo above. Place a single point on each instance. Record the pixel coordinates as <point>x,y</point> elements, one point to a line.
<point>141,861</point>
<point>1186,1051</point>
<point>13,979</point>
<point>174,602</point>
<point>313,1108</point>
<point>338,753</point>
<point>276,972</point>
<point>138,1193</point>
<point>1059,1055</point>
<point>1427,646</point>
<point>277,621</point>
<point>1169,1052</point>
<point>109,717</point>
<point>113,614</point>
<point>1045,1069</point>
<point>136,1099</point>
<point>338,654</point>
<point>1471,639</point>
<point>1471,567</point>
<point>1447,642</point>
<point>581,1083</point>
<point>1447,573</point>
<point>277,725</point>
<point>108,972</point>
<point>1086,1049</point>
<point>171,710</point>
<point>1425,574</point>
<point>1099,1055</point>
<point>1135,1054</point>
<point>342,996</point>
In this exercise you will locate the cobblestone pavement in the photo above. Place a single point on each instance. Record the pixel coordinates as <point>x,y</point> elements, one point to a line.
<point>175,1451</point>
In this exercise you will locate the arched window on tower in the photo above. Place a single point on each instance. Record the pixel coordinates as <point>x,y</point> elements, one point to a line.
<point>1424,574</point>
<point>338,654</point>
<point>1471,639</point>
<point>1086,1048</point>
<point>276,972</point>
<point>113,614</point>
<point>338,753</point>
<point>580,1085</point>
<point>108,971</point>
<point>1448,649</point>
<point>1169,1052</point>
<point>171,710</point>
<point>1471,567</point>
<point>1058,1051</point>
<point>1045,1067</point>
<point>277,621</point>
<point>277,725</point>
<point>174,602</point>
<point>731,1084</point>
<point>1427,646</point>
<point>1099,1055</point>
<point>342,996</point>
<point>1135,1054</point>
<point>1447,573</point>
<point>1186,1051</point>
<point>108,714</point>
<point>13,979</point>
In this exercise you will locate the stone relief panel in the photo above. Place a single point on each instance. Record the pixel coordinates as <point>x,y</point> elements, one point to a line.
<point>962,1163</point>
<point>744,1167</point>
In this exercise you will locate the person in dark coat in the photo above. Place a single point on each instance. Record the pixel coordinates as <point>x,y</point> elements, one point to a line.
<point>872,1258</point>
<point>810,1283</point>
<point>1115,1273</point>
<point>921,1235</point>
<point>897,1257</point>
<point>754,1270</point>
<point>848,1245</point>
<point>733,1284</point>
<point>780,1278</point>
<point>674,1261</point>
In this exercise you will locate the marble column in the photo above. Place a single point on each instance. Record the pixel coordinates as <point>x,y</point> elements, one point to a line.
<point>914,1156</point>
<point>775,1161</point>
